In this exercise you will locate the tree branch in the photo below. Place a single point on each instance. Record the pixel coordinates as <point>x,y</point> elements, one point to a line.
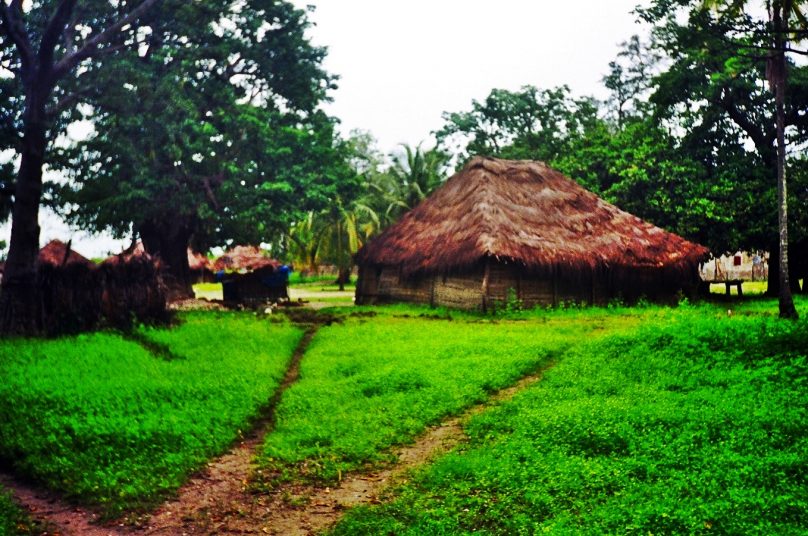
<point>89,47</point>
<point>15,30</point>
<point>68,101</point>
<point>755,133</point>
<point>54,29</point>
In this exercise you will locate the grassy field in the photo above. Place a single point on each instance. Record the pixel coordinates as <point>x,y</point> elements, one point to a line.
<point>695,424</point>
<point>110,423</point>
<point>661,420</point>
<point>376,382</point>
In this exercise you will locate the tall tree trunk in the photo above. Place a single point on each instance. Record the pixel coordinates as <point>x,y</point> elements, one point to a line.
<point>19,297</point>
<point>778,78</point>
<point>169,241</point>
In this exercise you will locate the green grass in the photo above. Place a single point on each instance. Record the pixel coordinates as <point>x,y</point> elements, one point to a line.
<point>208,291</point>
<point>694,424</point>
<point>376,382</point>
<point>13,521</point>
<point>750,288</point>
<point>296,279</point>
<point>108,423</point>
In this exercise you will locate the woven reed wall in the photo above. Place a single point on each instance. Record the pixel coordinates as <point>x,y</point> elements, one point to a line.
<point>77,297</point>
<point>487,287</point>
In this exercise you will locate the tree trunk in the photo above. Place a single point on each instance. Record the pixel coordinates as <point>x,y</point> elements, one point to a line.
<point>169,241</point>
<point>778,77</point>
<point>343,277</point>
<point>19,297</point>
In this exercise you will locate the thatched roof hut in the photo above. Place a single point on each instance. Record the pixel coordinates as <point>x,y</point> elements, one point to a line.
<point>58,253</point>
<point>200,267</point>
<point>503,224</point>
<point>253,278</point>
<point>197,261</point>
<point>244,258</point>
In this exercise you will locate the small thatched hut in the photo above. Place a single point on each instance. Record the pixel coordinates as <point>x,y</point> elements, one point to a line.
<point>57,253</point>
<point>251,277</point>
<point>501,224</point>
<point>75,294</point>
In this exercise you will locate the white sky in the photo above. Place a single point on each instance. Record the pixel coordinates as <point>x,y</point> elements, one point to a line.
<point>402,64</point>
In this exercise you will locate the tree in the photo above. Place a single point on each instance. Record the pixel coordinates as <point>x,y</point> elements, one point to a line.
<point>43,43</point>
<point>629,80</point>
<point>717,61</point>
<point>529,123</point>
<point>414,175</point>
<point>210,135</point>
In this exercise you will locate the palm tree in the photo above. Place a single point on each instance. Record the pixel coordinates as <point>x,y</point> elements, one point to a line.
<point>415,175</point>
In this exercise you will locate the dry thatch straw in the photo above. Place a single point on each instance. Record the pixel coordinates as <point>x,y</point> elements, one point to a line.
<point>57,253</point>
<point>244,258</point>
<point>197,261</point>
<point>523,212</point>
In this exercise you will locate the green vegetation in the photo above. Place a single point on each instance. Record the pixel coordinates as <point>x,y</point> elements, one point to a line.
<point>13,521</point>
<point>695,423</point>
<point>208,291</point>
<point>324,282</point>
<point>373,383</point>
<point>104,420</point>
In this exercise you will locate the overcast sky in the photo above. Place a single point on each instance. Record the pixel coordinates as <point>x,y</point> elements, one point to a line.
<point>402,64</point>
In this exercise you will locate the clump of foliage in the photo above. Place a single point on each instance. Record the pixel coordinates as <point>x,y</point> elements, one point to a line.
<point>112,422</point>
<point>369,384</point>
<point>13,521</point>
<point>685,427</point>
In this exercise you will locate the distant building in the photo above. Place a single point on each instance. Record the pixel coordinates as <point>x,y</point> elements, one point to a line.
<point>250,277</point>
<point>58,253</point>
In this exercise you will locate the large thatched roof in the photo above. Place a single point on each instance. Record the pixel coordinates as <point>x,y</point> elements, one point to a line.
<point>58,253</point>
<point>523,212</point>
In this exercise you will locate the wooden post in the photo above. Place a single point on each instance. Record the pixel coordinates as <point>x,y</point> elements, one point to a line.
<point>486,281</point>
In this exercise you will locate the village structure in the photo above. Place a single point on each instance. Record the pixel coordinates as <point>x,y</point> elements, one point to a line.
<point>502,224</point>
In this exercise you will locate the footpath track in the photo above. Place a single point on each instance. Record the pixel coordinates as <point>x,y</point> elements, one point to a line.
<point>219,500</point>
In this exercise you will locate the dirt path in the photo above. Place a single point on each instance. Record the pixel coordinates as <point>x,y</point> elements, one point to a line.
<point>218,500</point>
<point>56,516</point>
<point>222,480</point>
<point>227,507</point>
<point>206,504</point>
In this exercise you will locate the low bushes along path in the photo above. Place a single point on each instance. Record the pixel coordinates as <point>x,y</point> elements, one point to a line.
<point>219,500</point>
